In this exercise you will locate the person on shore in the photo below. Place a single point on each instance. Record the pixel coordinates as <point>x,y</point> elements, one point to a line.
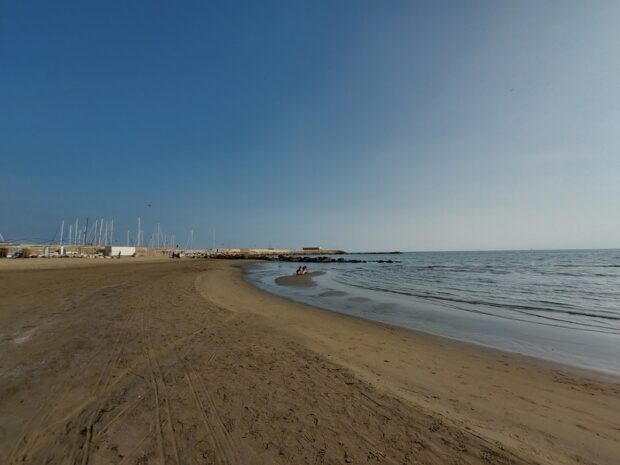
<point>304,270</point>
<point>298,272</point>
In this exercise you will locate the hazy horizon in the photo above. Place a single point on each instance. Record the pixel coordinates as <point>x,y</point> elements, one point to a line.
<point>411,126</point>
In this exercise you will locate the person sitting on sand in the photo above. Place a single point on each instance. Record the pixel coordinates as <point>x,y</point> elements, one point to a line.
<point>304,270</point>
<point>298,272</point>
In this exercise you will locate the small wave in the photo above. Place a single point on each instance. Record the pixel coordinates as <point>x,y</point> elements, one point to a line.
<point>476,302</point>
<point>566,325</point>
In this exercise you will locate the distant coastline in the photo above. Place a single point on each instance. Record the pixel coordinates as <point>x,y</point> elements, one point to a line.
<point>376,253</point>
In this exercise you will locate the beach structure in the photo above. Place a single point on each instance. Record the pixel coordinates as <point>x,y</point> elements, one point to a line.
<point>116,250</point>
<point>5,248</point>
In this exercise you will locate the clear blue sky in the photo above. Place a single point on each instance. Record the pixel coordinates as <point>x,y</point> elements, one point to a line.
<point>364,125</point>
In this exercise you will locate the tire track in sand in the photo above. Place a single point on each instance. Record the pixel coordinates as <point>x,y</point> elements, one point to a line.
<point>160,436</point>
<point>105,377</point>
<point>33,433</point>
<point>158,378</point>
<point>224,447</point>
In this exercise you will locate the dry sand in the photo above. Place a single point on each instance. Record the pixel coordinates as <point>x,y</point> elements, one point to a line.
<point>184,362</point>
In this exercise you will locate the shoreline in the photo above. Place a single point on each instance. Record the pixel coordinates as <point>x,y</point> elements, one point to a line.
<point>603,375</point>
<point>235,374</point>
<point>520,376</point>
<point>448,372</point>
<point>585,350</point>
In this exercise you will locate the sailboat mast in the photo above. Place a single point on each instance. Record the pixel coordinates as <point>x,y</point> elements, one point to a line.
<point>100,231</point>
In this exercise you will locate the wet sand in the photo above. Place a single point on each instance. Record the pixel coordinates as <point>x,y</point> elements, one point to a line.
<point>301,280</point>
<point>184,362</point>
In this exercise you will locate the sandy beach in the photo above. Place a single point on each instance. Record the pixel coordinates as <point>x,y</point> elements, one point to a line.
<point>175,362</point>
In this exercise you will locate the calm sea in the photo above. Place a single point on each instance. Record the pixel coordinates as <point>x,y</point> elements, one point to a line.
<point>557,305</point>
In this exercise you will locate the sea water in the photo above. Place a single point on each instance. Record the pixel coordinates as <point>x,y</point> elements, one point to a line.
<point>558,305</point>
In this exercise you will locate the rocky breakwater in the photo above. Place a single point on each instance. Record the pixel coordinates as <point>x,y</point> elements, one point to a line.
<point>326,259</point>
<point>298,258</point>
